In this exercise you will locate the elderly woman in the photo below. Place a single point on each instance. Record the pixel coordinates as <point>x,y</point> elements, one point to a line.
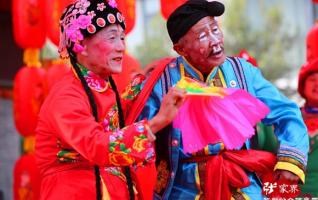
<point>308,89</point>
<point>84,150</point>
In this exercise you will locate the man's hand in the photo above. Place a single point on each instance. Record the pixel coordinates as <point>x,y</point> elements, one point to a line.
<point>286,175</point>
<point>169,107</point>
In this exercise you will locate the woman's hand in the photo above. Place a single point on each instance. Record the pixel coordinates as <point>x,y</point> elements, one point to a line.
<point>170,105</point>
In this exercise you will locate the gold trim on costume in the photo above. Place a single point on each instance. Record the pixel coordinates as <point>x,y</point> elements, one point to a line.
<point>210,74</point>
<point>194,69</point>
<point>197,181</point>
<point>222,78</point>
<point>292,168</point>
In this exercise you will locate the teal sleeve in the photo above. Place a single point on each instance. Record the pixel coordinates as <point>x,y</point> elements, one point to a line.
<point>286,118</point>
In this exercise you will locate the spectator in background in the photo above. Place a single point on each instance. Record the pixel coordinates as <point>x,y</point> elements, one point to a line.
<point>308,89</point>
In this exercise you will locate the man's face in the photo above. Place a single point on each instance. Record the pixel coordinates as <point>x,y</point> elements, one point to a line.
<point>203,45</point>
<point>311,89</point>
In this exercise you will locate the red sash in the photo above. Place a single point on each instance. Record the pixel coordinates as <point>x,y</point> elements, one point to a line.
<point>226,170</point>
<point>145,177</point>
<point>142,98</point>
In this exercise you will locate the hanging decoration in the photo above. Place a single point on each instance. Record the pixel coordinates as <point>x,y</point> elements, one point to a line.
<point>53,12</point>
<point>29,91</point>
<point>26,182</point>
<point>312,43</point>
<point>28,23</point>
<point>128,9</point>
<point>244,54</point>
<point>28,94</point>
<point>168,6</point>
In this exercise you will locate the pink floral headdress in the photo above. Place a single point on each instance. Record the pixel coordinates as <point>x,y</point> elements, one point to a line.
<point>84,18</point>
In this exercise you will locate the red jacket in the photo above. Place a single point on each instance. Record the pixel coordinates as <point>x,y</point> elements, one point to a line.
<point>69,142</point>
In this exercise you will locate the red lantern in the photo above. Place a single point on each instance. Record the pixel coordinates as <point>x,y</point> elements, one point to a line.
<point>131,66</point>
<point>28,23</point>
<point>315,1</point>
<point>168,6</point>
<point>128,9</point>
<point>55,73</point>
<point>312,43</point>
<point>26,183</point>
<point>53,11</point>
<point>244,54</point>
<point>29,91</point>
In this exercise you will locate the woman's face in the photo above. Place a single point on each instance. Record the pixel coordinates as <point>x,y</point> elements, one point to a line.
<point>104,51</point>
<point>311,89</point>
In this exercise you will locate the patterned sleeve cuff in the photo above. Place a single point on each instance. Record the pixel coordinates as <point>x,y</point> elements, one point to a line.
<point>293,160</point>
<point>131,146</point>
<point>292,168</point>
<point>134,88</point>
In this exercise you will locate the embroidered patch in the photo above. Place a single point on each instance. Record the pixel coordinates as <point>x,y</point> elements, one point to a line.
<point>68,156</point>
<point>120,158</point>
<point>133,88</point>
<point>162,176</point>
<point>140,143</point>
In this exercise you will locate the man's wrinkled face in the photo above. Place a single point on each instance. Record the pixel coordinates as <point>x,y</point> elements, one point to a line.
<point>203,45</point>
<point>311,89</point>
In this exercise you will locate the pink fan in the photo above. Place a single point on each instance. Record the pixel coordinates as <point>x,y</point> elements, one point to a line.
<point>228,117</point>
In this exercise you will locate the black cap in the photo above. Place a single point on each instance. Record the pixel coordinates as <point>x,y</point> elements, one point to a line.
<point>188,14</point>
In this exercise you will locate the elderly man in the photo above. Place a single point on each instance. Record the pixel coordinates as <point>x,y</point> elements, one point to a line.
<point>199,41</point>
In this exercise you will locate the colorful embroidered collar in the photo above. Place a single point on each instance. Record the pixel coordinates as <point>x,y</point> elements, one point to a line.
<point>93,80</point>
<point>187,68</point>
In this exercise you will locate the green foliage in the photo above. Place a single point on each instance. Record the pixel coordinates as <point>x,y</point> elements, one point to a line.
<point>157,43</point>
<point>269,43</point>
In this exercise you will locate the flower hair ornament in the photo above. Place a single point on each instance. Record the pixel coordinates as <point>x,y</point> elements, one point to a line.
<point>84,18</point>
